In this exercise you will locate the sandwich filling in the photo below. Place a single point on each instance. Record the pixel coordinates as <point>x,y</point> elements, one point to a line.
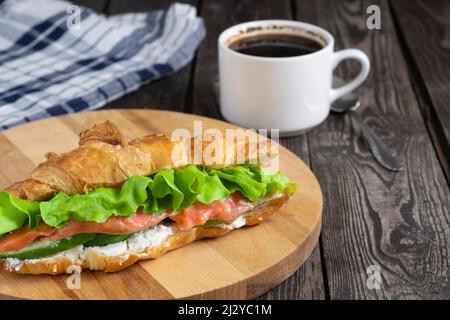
<point>182,198</point>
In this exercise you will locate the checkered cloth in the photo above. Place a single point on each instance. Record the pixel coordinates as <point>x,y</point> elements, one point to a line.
<point>52,65</point>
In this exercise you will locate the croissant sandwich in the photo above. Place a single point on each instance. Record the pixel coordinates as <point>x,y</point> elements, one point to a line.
<point>111,202</point>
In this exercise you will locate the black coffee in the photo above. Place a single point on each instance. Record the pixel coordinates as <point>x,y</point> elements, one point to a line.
<point>275,45</point>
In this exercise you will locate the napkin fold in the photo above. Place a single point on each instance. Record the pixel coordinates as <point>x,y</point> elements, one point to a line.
<point>58,58</point>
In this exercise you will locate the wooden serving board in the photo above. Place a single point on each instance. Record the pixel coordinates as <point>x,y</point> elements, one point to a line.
<point>243,264</point>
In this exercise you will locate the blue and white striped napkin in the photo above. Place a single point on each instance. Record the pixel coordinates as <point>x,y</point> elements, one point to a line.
<point>51,65</point>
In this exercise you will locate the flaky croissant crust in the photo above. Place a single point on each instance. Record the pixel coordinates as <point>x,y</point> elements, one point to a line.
<point>105,158</point>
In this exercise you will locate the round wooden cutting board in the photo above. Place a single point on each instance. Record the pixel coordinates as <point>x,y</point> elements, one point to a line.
<point>243,264</point>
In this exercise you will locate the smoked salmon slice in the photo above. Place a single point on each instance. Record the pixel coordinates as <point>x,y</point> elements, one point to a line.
<point>197,214</point>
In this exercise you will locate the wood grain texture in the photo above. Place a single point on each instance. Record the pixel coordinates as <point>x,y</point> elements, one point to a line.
<point>425,29</point>
<point>97,5</point>
<point>307,283</point>
<point>170,92</point>
<point>243,264</point>
<point>399,221</point>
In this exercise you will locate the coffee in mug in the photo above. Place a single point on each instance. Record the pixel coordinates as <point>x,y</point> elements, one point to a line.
<point>275,45</point>
<point>277,74</point>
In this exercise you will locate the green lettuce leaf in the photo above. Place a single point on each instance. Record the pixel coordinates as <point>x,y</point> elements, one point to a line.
<point>199,185</point>
<point>276,182</point>
<point>14,212</point>
<point>164,192</point>
<point>173,189</point>
<point>242,179</point>
<point>97,205</point>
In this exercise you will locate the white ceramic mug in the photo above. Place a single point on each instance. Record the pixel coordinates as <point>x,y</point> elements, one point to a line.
<point>292,94</point>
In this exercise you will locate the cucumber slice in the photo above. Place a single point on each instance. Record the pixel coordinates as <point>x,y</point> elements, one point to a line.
<point>211,223</point>
<point>103,239</point>
<point>41,249</point>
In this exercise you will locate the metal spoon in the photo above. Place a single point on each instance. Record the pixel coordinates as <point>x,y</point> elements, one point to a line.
<point>380,151</point>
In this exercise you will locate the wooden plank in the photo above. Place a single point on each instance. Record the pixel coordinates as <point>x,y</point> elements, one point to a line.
<point>168,93</point>
<point>307,282</point>
<point>425,31</point>
<point>97,5</point>
<point>398,221</point>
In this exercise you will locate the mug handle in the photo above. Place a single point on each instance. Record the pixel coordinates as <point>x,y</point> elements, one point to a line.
<point>365,68</point>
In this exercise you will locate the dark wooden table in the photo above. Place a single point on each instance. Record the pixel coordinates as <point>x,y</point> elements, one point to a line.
<point>398,221</point>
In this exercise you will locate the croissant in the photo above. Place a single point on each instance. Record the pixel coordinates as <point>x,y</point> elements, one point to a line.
<point>105,158</point>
